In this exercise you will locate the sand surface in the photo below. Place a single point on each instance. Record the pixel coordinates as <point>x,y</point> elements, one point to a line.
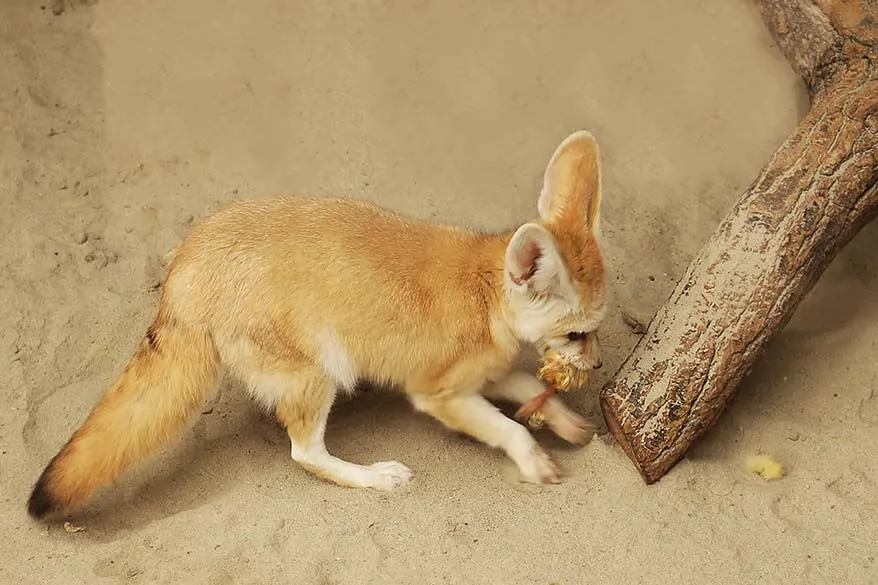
<point>122,123</point>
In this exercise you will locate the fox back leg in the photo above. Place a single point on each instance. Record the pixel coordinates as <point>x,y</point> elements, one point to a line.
<point>303,401</point>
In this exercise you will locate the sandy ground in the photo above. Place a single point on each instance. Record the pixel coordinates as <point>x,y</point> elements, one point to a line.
<point>121,123</point>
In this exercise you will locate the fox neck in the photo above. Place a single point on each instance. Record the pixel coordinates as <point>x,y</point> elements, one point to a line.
<point>489,271</point>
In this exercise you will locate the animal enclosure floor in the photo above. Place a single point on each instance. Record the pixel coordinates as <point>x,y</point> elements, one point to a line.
<point>122,123</point>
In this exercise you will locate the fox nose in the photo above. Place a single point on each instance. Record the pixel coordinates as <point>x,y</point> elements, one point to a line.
<point>598,365</point>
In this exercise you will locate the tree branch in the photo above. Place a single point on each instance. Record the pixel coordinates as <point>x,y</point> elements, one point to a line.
<point>814,194</point>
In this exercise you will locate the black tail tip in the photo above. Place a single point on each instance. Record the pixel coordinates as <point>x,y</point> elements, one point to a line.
<point>41,503</point>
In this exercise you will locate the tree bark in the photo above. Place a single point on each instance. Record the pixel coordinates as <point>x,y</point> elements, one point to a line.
<point>814,194</point>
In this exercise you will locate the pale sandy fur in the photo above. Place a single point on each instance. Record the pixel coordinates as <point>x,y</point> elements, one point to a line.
<point>302,297</point>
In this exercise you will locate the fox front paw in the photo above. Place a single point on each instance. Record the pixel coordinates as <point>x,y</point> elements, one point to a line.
<point>387,475</point>
<point>539,468</point>
<point>570,426</point>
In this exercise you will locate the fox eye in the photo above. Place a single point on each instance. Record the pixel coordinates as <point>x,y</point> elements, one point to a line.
<point>576,336</point>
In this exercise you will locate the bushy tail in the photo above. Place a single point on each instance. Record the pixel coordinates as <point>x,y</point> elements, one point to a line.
<point>165,383</point>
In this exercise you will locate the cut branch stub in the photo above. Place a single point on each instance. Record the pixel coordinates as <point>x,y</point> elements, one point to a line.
<point>805,36</point>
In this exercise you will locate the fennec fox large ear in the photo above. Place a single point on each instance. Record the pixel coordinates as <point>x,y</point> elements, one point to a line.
<point>571,195</point>
<point>533,262</point>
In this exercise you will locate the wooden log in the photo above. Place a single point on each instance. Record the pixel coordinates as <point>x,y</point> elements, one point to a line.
<point>814,194</point>
<point>805,36</point>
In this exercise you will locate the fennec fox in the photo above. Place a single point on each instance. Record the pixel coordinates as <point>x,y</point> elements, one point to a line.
<point>302,297</point>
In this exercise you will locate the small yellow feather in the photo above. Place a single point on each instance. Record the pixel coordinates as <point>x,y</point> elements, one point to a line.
<point>766,467</point>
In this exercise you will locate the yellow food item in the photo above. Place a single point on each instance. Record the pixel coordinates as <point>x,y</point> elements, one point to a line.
<point>766,467</point>
<point>561,374</point>
<point>537,420</point>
